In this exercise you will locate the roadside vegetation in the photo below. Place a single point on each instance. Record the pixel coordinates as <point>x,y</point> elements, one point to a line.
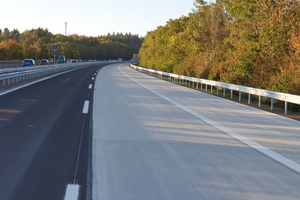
<point>246,42</point>
<point>37,44</point>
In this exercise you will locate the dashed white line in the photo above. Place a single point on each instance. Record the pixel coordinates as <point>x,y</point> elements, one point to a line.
<point>86,107</point>
<point>90,86</point>
<point>72,192</point>
<point>93,78</point>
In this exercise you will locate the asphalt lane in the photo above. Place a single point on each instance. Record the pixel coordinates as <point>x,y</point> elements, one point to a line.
<point>147,147</point>
<point>45,137</point>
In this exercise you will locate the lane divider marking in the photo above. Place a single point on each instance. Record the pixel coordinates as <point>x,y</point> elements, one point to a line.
<point>86,107</point>
<point>37,81</point>
<point>93,78</point>
<point>90,86</point>
<point>72,192</point>
<point>272,154</point>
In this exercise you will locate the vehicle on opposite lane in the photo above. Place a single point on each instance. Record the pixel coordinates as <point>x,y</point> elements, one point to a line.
<point>44,62</point>
<point>28,62</point>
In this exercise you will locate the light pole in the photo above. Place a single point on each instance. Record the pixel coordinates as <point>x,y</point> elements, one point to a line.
<point>66,28</point>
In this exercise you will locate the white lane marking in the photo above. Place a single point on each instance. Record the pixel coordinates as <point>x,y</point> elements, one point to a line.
<point>95,74</point>
<point>90,86</point>
<point>72,192</point>
<point>272,154</point>
<point>93,78</point>
<point>86,107</point>
<point>37,81</point>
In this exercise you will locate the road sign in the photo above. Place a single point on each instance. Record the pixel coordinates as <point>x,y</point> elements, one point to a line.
<point>54,47</point>
<point>54,53</point>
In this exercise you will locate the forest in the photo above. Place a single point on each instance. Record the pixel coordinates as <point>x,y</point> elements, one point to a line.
<point>37,44</point>
<point>253,43</point>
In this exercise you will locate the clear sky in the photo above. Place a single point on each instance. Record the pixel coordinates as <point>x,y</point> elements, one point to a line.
<point>91,17</point>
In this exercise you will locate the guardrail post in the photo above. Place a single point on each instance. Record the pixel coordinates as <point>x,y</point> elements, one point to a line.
<point>285,107</point>
<point>201,86</point>
<point>211,89</point>
<point>249,98</point>
<point>217,91</point>
<point>259,101</point>
<point>197,85</point>
<point>224,92</point>
<point>8,81</point>
<point>193,84</point>
<point>240,96</point>
<point>272,104</point>
<point>13,80</point>
<point>231,91</point>
<point>206,88</point>
<point>189,83</point>
<point>4,82</point>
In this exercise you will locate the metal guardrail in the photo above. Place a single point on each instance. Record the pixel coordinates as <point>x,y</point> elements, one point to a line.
<point>15,75</point>
<point>287,98</point>
<point>13,63</point>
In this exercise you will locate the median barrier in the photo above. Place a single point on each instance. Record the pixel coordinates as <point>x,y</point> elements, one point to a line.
<point>15,75</point>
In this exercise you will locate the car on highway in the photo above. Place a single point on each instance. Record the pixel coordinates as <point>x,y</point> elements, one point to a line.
<point>61,59</point>
<point>44,62</point>
<point>74,61</point>
<point>28,62</point>
<point>50,61</point>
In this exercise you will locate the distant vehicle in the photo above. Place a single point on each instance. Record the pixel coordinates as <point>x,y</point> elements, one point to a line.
<point>44,62</point>
<point>69,61</point>
<point>61,59</point>
<point>79,60</point>
<point>28,62</point>
<point>120,59</point>
<point>50,60</point>
<point>74,61</point>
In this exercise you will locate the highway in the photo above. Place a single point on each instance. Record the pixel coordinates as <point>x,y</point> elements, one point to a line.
<point>45,137</point>
<point>157,140</point>
<point>109,132</point>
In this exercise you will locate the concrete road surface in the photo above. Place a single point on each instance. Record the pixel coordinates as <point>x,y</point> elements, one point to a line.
<point>156,140</point>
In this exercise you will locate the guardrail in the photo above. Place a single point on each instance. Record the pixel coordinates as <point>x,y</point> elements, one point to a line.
<point>11,76</point>
<point>13,63</point>
<point>287,98</point>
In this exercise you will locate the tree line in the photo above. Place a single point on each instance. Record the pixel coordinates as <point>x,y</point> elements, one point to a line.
<point>246,42</point>
<point>37,44</point>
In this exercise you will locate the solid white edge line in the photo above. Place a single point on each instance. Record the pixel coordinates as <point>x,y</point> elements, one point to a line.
<point>86,107</point>
<point>279,158</point>
<point>37,81</point>
<point>72,192</point>
<point>90,86</point>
